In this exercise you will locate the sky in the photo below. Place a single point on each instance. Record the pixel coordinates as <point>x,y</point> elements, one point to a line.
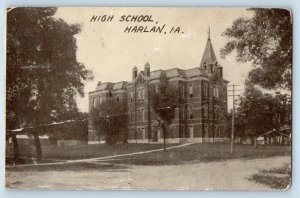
<point>104,48</point>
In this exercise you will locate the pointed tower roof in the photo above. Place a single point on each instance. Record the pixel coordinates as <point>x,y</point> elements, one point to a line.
<point>209,56</point>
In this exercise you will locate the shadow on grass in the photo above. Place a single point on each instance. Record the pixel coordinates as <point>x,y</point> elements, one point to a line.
<point>201,153</point>
<point>80,166</point>
<point>277,178</point>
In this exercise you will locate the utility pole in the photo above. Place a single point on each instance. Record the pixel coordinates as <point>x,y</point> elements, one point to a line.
<point>233,115</point>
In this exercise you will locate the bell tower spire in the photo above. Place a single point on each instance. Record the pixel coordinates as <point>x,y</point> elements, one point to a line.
<point>209,59</point>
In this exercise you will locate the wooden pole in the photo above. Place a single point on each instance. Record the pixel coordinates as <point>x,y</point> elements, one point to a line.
<point>232,119</point>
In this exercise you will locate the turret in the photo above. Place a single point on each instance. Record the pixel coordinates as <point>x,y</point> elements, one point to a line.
<point>134,73</point>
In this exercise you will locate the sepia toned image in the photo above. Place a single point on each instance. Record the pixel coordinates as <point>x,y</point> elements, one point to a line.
<point>148,98</point>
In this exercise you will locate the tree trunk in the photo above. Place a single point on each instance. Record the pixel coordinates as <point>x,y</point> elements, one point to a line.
<point>164,133</point>
<point>255,142</point>
<point>38,147</point>
<point>16,149</point>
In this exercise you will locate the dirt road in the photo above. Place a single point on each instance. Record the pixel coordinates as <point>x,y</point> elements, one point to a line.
<point>225,175</point>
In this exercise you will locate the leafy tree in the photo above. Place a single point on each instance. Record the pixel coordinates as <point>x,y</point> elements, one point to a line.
<point>266,41</point>
<point>43,75</point>
<point>111,117</point>
<point>164,101</point>
<point>258,113</point>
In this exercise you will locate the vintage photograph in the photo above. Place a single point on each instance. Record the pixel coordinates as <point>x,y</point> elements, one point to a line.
<point>148,98</point>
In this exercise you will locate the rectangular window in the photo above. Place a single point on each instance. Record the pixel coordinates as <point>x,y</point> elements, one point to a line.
<point>205,90</point>
<point>100,100</point>
<point>156,88</point>
<point>190,113</point>
<point>216,92</point>
<point>94,102</point>
<point>205,109</point>
<point>131,96</point>
<point>191,91</point>
<point>137,115</point>
<point>139,94</point>
<point>143,94</point>
<point>143,133</point>
<point>132,116</point>
<point>143,115</point>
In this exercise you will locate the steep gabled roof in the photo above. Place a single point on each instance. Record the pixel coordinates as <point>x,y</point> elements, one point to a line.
<point>209,56</point>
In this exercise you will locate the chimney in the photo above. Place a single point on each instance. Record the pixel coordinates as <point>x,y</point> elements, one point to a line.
<point>134,73</point>
<point>221,71</point>
<point>99,83</point>
<point>147,69</point>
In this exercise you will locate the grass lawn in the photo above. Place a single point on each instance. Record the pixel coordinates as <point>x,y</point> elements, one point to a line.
<point>202,153</point>
<point>194,153</point>
<point>78,166</point>
<point>88,151</point>
<point>278,178</point>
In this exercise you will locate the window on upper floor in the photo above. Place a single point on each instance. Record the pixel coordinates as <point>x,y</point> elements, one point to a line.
<point>132,116</point>
<point>190,112</point>
<point>216,92</point>
<point>183,91</point>
<point>139,94</point>
<point>117,99</point>
<point>205,91</point>
<point>131,96</point>
<point>143,94</point>
<point>205,111</point>
<point>143,114</point>
<point>191,94</point>
<point>94,102</point>
<point>100,100</point>
<point>156,88</point>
